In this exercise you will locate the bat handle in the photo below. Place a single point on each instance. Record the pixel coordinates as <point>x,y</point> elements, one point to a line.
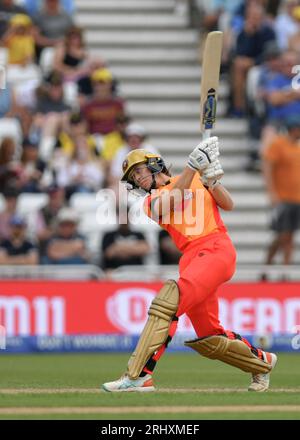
<point>206,134</point>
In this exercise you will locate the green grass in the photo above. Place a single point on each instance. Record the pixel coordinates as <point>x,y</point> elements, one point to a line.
<point>174,371</point>
<point>232,416</point>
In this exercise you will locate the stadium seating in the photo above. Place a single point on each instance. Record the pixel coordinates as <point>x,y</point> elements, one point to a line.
<point>30,202</point>
<point>161,85</point>
<point>10,127</point>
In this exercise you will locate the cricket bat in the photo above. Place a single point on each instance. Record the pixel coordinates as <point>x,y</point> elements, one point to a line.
<point>210,77</point>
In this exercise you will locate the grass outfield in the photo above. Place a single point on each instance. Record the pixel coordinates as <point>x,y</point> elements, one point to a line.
<point>188,387</point>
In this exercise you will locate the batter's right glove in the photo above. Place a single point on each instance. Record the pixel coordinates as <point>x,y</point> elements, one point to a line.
<point>212,173</point>
<point>204,154</point>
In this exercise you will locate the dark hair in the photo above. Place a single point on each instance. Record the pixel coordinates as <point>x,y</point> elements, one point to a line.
<point>5,145</point>
<point>28,142</point>
<point>292,122</point>
<point>271,51</point>
<point>76,118</point>
<point>123,119</point>
<point>77,31</point>
<point>54,78</point>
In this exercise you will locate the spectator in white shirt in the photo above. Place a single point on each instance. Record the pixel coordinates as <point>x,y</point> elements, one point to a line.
<point>286,25</point>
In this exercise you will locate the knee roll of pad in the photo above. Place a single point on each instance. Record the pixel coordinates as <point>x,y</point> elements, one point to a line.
<point>161,313</point>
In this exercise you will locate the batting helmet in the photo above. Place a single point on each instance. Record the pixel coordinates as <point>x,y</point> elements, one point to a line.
<point>154,163</point>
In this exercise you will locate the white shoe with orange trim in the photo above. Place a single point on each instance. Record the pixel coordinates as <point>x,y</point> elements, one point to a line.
<point>261,382</point>
<point>125,384</point>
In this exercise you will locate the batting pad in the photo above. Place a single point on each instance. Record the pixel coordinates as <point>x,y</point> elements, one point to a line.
<point>232,352</point>
<point>161,312</point>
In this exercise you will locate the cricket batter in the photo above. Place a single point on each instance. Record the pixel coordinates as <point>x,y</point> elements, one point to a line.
<point>208,260</point>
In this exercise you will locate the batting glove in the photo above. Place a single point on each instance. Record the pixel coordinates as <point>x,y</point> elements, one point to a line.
<point>204,154</point>
<point>212,173</point>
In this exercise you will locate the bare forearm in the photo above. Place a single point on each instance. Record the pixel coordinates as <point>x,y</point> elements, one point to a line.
<point>185,180</point>
<point>282,97</point>
<point>139,249</point>
<point>268,176</point>
<point>222,197</point>
<point>57,251</point>
<point>119,250</point>
<point>45,42</point>
<point>112,251</point>
<point>20,260</point>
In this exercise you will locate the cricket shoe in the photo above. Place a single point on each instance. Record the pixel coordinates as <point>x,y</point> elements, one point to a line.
<point>125,384</point>
<point>261,382</point>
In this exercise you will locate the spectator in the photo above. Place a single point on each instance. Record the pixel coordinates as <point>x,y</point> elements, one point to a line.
<point>271,67</point>
<point>77,128</point>
<point>281,171</point>
<point>51,113</point>
<point>8,9</point>
<point>22,72</point>
<point>71,58</point>
<point>33,6</point>
<point>136,137</point>
<point>48,213</point>
<point>85,84</point>
<point>11,108</point>
<point>123,247</point>
<point>67,246</point>
<point>83,173</point>
<point>233,22</point>
<point>282,100</point>
<point>10,168</point>
<point>249,48</point>
<point>219,13</point>
<point>294,39</point>
<point>19,40</point>
<point>47,217</point>
<point>11,199</point>
<point>114,141</point>
<point>168,252</point>
<point>6,101</point>
<point>17,250</point>
<point>33,168</point>
<point>286,25</point>
<point>52,24</point>
<point>258,80</point>
<point>101,112</point>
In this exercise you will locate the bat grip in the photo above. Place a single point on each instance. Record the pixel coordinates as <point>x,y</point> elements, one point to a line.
<point>206,134</point>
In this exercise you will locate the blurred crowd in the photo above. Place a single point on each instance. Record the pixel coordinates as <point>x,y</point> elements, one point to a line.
<point>65,129</point>
<point>261,60</point>
<point>261,52</point>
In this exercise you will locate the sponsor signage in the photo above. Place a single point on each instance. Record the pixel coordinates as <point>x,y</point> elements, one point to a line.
<point>33,309</point>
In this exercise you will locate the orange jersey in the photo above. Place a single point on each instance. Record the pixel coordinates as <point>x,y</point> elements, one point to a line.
<point>284,155</point>
<point>195,217</point>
